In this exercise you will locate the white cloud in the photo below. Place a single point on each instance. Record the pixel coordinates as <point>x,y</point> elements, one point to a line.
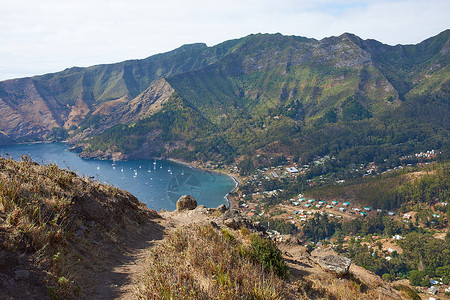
<point>50,35</point>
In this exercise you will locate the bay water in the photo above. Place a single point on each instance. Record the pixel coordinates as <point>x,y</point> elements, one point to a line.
<point>157,183</point>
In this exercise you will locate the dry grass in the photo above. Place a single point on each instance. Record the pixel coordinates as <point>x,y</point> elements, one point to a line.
<point>325,286</point>
<point>201,262</point>
<point>36,204</point>
<point>43,207</point>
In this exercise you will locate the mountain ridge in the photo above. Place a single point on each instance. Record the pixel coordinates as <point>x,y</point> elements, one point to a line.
<point>268,82</point>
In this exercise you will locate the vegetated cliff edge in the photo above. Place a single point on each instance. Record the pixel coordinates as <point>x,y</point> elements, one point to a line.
<point>63,236</point>
<point>241,95</point>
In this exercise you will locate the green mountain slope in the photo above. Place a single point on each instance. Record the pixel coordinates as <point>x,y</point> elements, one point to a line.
<point>33,106</point>
<point>279,94</point>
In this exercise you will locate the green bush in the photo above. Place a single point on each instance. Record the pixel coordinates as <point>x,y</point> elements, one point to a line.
<point>266,252</point>
<point>416,276</point>
<point>387,277</point>
<point>408,291</point>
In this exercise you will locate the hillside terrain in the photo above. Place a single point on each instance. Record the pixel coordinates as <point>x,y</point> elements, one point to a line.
<point>63,236</point>
<point>358,99</point>
<point>394,223</point>
<point>340,146</point>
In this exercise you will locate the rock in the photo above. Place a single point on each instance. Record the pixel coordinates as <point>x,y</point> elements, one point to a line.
<point>21,274</point>
<point>222,208</point>
<point>233,219</point>
<point>201,209</point>
<point>233,223</point>
<point>335,263</point>
<point>290,240</point>
<point>214,224</point>
<point>186,202</point>
<point>259,227</point>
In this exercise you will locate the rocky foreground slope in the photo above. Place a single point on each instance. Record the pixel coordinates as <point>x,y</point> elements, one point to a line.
<point>63,236</point>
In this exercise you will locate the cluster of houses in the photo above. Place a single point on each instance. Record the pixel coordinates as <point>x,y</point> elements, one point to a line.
<point>436,288</point>
<point>427,155</point>
<point>313,204</point>
<point>292,170</point>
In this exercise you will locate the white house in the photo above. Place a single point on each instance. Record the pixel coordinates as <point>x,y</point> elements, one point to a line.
<point>292,170</point>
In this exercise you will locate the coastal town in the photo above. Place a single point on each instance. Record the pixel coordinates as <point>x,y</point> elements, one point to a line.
<point>290,211</point>
<point>253,193</point>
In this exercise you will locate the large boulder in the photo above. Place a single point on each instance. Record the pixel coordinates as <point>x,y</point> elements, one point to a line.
<point>186,202</point>
<point>335,263</point>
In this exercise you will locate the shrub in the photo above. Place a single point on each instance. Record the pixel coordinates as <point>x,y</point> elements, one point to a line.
<point>201,262</point>
<point>266,252</point>
<point>415,277</point>
<point>387,277</point>
<point>408,291</point>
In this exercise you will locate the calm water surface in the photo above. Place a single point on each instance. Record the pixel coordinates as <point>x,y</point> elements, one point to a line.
<point>157,183</point>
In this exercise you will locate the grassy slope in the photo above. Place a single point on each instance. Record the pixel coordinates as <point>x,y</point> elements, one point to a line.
<point>56,217</point>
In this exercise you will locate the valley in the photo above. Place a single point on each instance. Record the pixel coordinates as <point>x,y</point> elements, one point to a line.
<point>340,146</point>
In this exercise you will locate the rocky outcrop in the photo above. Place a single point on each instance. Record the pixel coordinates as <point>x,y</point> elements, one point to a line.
<point>233,219</point>
<point>335,263</point>
<point>188,212</point>
<point>128,111</point>
<point>186,202</point>
<point>222,208</point>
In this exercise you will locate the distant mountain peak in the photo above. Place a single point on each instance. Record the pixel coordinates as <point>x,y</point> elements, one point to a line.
<point>190,47</point>
<point>246,82</point>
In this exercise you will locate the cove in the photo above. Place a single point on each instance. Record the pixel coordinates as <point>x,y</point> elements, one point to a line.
<point>157,183</point>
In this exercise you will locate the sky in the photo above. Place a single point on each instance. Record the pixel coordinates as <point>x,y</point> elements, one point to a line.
<point>38,37</point>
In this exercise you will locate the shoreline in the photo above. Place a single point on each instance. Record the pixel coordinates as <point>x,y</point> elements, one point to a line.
<point>228,202</point>
<point>192,165</point>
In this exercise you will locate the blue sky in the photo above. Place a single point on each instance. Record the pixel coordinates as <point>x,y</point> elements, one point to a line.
<point>38,37</point>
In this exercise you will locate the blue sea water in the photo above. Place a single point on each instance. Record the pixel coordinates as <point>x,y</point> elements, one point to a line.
<point>157,183</point>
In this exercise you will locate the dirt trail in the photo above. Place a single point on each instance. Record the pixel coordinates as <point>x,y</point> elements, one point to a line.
<point>120,280</point>
<point>119,275</point>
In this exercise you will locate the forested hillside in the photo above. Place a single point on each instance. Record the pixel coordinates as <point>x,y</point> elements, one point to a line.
<point>358,100</point>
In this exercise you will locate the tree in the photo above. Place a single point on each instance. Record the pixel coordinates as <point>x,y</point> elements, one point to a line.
<point>415,277</point>
<point>246,166</point>
<point>387,277</point>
